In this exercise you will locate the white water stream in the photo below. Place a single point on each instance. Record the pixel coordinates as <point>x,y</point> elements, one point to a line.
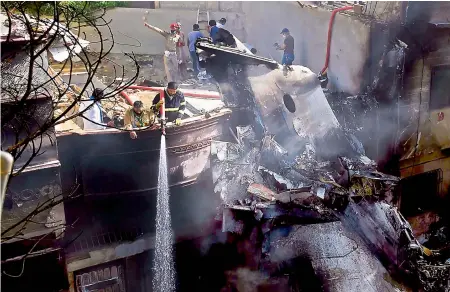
<point>163,265</point>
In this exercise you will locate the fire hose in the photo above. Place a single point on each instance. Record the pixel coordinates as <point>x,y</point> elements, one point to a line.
<point>161,89</point>
<point>330,29</point>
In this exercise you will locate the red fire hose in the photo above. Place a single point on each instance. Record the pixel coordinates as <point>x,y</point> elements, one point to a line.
<point>162,109</point>
<point>127,98</point>
<point>330,28</point>
<point>161,89</point>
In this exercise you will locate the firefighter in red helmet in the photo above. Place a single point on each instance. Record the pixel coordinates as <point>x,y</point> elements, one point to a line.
<point>171,58</point>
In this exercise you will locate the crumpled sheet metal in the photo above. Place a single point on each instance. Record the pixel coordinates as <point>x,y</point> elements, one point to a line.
<point>233,181</point>
<point>232,170</point>
<point>271,178</point>
<point>245,133</point>
<point>386,231</point>
<point>310,121</point>
<point>261,192</point>
<point>225,151</point>
<point>273,155</point>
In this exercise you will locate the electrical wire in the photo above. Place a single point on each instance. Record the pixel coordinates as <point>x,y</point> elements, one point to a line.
<point>136,46</point>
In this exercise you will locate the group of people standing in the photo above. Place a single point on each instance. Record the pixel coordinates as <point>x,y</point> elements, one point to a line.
<point>174,56</point>
<point>175,67</point>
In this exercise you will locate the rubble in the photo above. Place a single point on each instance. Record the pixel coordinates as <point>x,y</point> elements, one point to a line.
<point>284,194</point>
<point>67,44</point>
<point>310,179</point>
<point>261,192</point>
<point>245,134</point>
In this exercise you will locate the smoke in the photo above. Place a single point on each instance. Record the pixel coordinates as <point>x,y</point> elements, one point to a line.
<point>379,127</point>
<point>245,280</point>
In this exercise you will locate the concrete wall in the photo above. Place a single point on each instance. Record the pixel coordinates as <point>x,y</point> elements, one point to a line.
<point>261,24</point>
<point>128,28</point>
<point>309,27</point>
<point>212,6</point>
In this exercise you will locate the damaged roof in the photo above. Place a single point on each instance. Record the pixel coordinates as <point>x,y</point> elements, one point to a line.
<point>15,71</point>
<point>16,61</point>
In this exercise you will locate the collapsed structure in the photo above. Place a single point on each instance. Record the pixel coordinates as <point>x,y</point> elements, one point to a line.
<point>292,163</point>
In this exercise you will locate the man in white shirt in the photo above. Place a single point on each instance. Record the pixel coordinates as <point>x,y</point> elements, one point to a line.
<point>93,112</point>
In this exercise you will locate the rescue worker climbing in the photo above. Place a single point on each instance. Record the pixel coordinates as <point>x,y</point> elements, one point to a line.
<point>138,117</point>
<point>225,37</point>
<point>171,58</point>
<point>174,103</point>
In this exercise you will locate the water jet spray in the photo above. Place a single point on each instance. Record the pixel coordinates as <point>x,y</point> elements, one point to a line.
<point>162,115</point>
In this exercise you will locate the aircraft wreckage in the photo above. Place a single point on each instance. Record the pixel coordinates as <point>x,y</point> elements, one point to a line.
<point>293,167</point>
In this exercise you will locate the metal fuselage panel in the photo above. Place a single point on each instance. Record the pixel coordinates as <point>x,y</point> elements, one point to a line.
<point>309,119</point>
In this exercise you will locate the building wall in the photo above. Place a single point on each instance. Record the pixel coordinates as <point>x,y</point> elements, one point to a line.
<point>260,24</point>
<point>309,27</point>
<point>212,6</point>
<point>127,23</point>
<point>417,85</point>
<point>416,101</point>
<point>189,5</point>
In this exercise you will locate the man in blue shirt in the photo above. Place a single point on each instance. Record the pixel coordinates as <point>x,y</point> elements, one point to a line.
<point>213,30</point>
<point>192,38</point>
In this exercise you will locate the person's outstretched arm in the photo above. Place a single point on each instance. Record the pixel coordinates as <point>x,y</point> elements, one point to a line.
<point>156,29</point>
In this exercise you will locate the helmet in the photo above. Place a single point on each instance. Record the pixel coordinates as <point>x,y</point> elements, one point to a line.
<point>172,85</point>
<point>285,30</point>
<point>174,26</point>
<point>222,20</point>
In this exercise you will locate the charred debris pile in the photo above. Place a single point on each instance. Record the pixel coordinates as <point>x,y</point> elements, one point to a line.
<point>260,187</point>
<point>310,196</point>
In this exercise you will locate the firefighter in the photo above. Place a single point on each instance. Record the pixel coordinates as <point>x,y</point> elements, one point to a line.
<point>171,59</point>
<point>174,102</point>
<point>138,117</point>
